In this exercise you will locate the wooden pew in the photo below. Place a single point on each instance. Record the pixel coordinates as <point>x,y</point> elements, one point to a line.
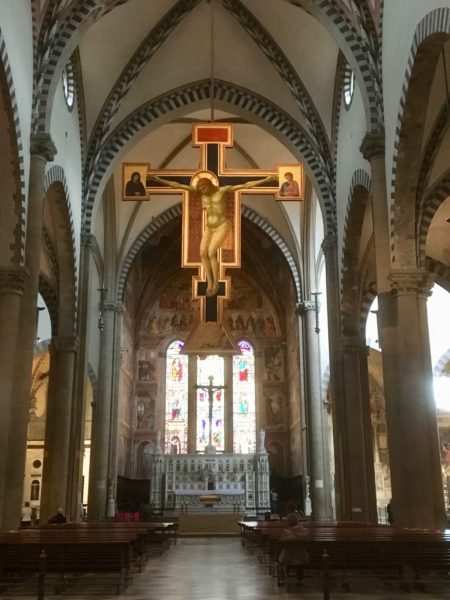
<point>69,553</point>
<point>354,548</point>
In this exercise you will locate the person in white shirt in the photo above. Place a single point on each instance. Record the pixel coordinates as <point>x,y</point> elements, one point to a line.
<point>25,521</point>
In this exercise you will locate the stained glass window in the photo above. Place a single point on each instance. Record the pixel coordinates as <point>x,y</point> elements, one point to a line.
<point>210,366</point>
<point>244,405</point>
<point>176,400</point>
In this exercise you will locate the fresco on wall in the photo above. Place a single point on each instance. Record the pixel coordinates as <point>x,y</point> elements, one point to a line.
<point>276,458</point>
<point>249,311</point>
<point>274,403</point>
<point>145,411</point>
<point>174,311</point>
<point>147,370</point>
<point>273,364</point>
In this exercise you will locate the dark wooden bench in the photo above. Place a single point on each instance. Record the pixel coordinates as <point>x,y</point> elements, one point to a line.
<point>69,553</point>
<point>354,549</point>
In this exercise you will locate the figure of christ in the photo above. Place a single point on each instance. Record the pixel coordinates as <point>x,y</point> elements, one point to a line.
<point>217,225</point>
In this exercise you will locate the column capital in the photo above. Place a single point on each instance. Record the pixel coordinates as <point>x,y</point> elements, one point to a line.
<point>373,145</point>
<point>353,345</point>
<point>13,280</point>
<point>113,306</point>
<point>412,281</point>
<point>41,144</point>
<point>329,243</point>
<point>303,307</point>
<point>65,343</point>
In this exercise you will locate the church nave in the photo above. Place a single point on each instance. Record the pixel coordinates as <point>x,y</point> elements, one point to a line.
<point>214,568</point>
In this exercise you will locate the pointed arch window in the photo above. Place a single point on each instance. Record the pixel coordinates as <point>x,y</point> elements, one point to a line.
<point>176,421</point>
<point>210,366</point>
<point>35,489</point>
<point>244,404</point>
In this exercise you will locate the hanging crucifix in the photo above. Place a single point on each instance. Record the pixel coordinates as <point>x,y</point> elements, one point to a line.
<point>211,240</point>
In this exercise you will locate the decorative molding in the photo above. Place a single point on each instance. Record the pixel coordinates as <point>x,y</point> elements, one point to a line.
<point>305,306</point>
<point>329,244</point>
<point>436,21</point>
<point>440,271</point>
<point>42,146</point>
<point>116,307</point>
<point>128,76</point>
<point>17,161</point>
<point>414,281</point>
<point>65,343</point>
<point>431,201</point>
<point>350,278</point>
<point>294,84</point>
<point>357,34</point>
<point>13,280</point>
<point>353,345</point>
<point>227,93</point>
<point>373,145</point>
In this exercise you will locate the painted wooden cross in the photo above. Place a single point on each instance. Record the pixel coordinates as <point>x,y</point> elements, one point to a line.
<point>211,231</point>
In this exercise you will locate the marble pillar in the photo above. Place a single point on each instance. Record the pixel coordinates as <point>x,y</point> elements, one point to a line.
<point>104,418</point>
<point>417,489</point>
<point>317,426</point>
<point>42,150</point>
<point>192,404</point>
<point>77,428</point>
<point>329,247</point>
<point>228,408</point>
<point>55,475</point>
<point>12,284</point>
<point>373,150</point>
<point>357,443</point>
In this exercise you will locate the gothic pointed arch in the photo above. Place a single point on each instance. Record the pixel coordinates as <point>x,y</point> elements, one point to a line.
<point>257,108</point>
<point>357,266</point>
<point>12,197</point>
<point>175,213</point>
<point>429,37</point>
<point>58,225</point>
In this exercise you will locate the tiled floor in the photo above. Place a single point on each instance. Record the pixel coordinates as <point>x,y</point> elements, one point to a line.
<point>220,569</point>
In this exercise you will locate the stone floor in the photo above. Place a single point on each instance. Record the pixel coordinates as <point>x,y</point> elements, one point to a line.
<point>220,569</point>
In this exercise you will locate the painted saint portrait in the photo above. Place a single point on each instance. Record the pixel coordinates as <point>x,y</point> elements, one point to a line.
<point>290,179</point>
<point>133,181</point>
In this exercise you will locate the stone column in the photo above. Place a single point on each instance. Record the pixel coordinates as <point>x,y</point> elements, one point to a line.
<point>77,430</point>
<point>12,284</point>
<point>42,150</point>
<point>228,408</point>
<point>112,460</point>
<point>104,423</point>
<point>357,444</point>
<point>373,150</point>
<point>329,247</point>
<point>417,490</point>
<point>192,404</point>
<point>55,475</point>
<point>317,428</point>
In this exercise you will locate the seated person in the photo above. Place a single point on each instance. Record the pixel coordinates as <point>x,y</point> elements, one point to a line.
<point>59,517</point>
<point>293,556</point>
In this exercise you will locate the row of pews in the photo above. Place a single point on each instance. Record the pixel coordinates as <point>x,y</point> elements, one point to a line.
<point>338,552</point>
<point>59,557</point>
